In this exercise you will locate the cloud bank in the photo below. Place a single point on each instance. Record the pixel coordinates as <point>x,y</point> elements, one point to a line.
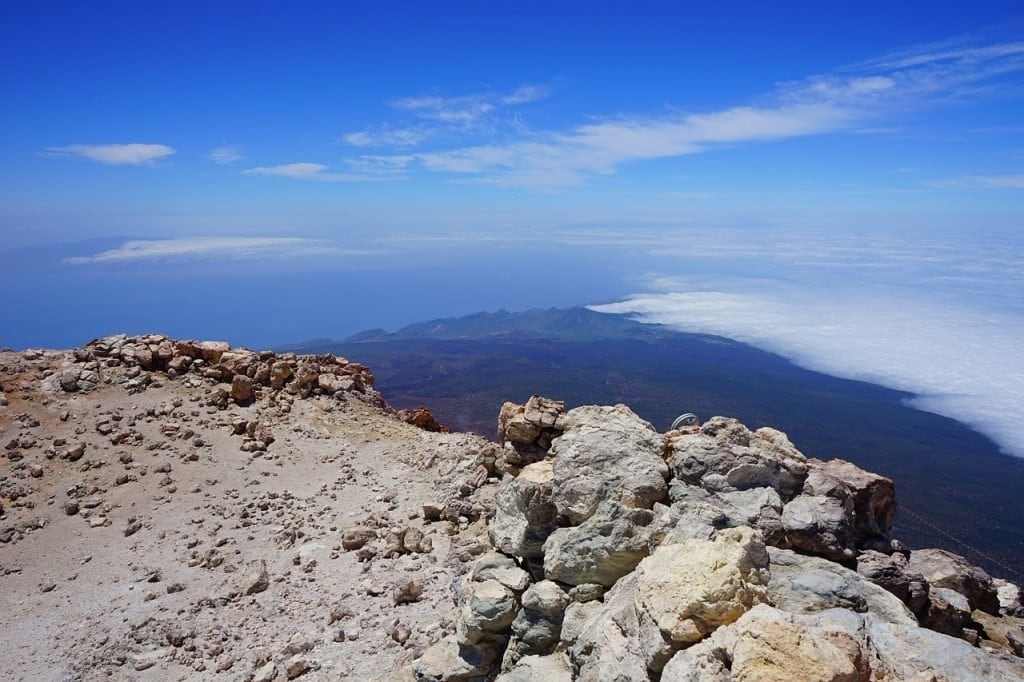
<point>134,154</point>
<point>198,248</point>
<point>941,319</point>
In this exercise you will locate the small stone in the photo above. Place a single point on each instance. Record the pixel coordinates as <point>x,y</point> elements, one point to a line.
<point>256,580</point>
<point>406,592</point>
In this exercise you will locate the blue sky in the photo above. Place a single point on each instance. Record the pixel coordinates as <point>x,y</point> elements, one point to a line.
<point>338,121</point>
<point>841,183</point>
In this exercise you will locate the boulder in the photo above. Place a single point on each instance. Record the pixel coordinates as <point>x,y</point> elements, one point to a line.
<point>525,513</point>
<point>891,573</point>
<point>769,645</point>
<point>725,456</point>
<point>606,453</point>
<point>696,512</point>
<point>820,525</point>
<point>905,653</point>
<point>524,424</point>
<point>618,640</point>
<point>488,608</point>
<point>873,497</point>
<point>807,584</point>
<point>602,549</point>
<point>693,587</point>
<point>948,612</point>
<point>838,645</point>
<point>1009,594</point>
<point>498,567</point>
<point>242,389</point>
<point>538,625</point>
<point>449,661</point>
<point>552,668</point>
<point>946,569</point>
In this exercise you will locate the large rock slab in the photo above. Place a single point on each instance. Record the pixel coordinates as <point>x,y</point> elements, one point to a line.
<point>873,497</point>
<point>525,512</point>
<point>695,512</point>
<point>449,661</point>
<point>820,525</point>
<point>693,587</point>
<point>837,645</point>
<point>769,645</point>
<point>607,453</point>
<point>890,572</point>
<point>946,569</point>
<point>726,456</point>
<point>552,668</point>
<point>807,584</point>
<point>602,549</point>
<point>675,597</point>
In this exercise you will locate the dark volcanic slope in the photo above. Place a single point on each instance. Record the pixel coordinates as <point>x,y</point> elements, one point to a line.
<point>945,473</point>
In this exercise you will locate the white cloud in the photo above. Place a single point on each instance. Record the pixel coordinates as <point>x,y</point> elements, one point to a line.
<point>1009,181</point>
<point>226,155</point>
<point>134,154</point>
<point>843,102</point>
<point>921,312</point>
<point>386,137</point>
<point>467,110</point>
<point>315,172</point>
<point>213,247</point>
<point>525,94</point>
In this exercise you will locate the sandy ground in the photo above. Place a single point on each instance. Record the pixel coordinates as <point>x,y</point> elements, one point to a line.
<point>133,560</point>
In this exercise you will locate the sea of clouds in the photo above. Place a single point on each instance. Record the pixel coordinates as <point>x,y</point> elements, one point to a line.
<point>937,315</point>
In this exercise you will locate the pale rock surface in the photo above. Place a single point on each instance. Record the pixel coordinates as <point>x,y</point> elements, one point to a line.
<point>820,525</point>
<point>769,645</point>
<point>607,453</point>
<point>488,608</point>
<point>691,588</point>
<point>892,573</point>
<point>525,513</point>
<point>807,584</point>
<point>873,496</point>
<point>726,456</point>
<point>551,668</point>
<point>602,549</point>
<point>838,645</point>
<point>946,569</point>
<point>448,661</point>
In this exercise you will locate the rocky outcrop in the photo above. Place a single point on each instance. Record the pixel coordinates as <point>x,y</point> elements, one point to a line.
<point>525,513</point>
<point>710,553</point>
<point>725,456</point>
<point>422,418</point>
<point>607,453</point>
<point>945,569</point>
<point>771,645</point>
<point>526,431</point>
<point>602,549</point>
<point>247,373</point>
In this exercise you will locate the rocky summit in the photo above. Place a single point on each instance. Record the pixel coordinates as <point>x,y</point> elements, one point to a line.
<point>188,510</point>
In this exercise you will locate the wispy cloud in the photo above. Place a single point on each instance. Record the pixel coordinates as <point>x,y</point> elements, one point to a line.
<point>213,247</point>
<point>386,137</point>
<point>1009,181</point>
<point>134,154</point>
<point>226,155</point>
<point>313,172</point>
<point>846,101</point>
